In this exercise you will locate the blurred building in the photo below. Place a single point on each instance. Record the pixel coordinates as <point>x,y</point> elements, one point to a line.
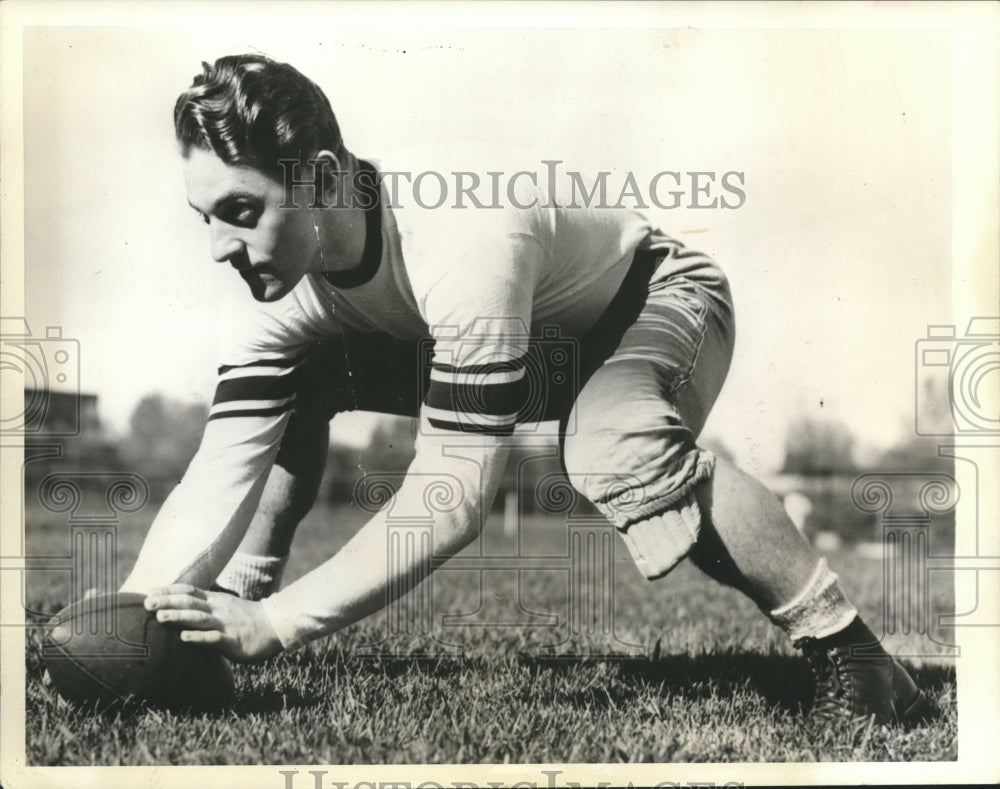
<point>54,413</point>
<point>64,431</point>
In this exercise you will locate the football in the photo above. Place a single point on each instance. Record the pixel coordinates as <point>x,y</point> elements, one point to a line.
<point>106,650</point>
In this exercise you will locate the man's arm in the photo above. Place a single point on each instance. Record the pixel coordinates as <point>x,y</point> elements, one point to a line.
<point>203,520</point>
<point>360,579</point>
<point>260,350</point>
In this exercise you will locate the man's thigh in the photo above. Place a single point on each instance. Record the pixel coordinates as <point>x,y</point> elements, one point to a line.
<point>631,447</point>
<point>663,339</point>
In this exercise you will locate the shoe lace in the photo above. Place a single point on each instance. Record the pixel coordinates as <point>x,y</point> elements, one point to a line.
<point>830,700</point>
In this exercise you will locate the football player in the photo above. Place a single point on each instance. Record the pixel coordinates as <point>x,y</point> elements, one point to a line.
<point>345,294</point>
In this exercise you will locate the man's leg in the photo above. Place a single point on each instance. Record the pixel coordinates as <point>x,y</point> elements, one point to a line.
<point>748,541</point>
<point>634,456</point>
<point>735,530</point>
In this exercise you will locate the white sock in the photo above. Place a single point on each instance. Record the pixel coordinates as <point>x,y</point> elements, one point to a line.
<point>819,610</point>
<point>252,577</point>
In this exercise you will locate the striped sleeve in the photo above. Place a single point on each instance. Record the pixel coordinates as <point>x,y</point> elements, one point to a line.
<point>261,388</point>
<point>476,285</point>
<point>480,398</point>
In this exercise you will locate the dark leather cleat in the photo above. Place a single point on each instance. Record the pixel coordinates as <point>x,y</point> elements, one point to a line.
<point>852,687</point>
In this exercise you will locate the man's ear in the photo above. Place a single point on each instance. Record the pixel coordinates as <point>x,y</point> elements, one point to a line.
<point>330,178</point>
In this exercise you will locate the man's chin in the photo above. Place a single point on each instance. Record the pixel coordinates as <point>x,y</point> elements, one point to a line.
<point>268,295</point>
<point>264,288</point>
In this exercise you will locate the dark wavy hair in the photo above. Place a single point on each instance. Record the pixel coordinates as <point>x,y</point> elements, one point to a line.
<point>253,111</point>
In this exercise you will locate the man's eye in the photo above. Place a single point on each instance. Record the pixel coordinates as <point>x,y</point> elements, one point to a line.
<point>201,216</point>
<point>243,215</point>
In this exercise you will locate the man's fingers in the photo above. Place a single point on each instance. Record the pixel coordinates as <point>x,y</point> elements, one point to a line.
<point>197,619</point>
<point>206,637</point>
<point>176,601</point>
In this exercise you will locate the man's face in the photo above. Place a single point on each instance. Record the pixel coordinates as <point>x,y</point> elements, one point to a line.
<point>272,248</point>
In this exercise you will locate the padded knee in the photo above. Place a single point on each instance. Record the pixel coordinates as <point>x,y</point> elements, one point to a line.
<point>631,454</point>
<point>638,464</point>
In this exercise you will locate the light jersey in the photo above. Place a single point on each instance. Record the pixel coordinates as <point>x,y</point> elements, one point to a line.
<point>479,282</point>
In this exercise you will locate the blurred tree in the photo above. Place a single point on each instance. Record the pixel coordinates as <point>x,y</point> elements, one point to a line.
<point>914,453</point>
<point>916,449</point>
<point>163,437</point>
<point>818,447</point>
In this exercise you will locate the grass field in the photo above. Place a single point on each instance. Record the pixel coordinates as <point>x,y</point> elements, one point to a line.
<point>691,673</point>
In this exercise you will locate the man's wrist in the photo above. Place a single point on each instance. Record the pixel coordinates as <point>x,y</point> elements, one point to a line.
<point>281,623</point>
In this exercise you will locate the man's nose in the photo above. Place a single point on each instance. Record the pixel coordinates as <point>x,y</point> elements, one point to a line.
<point>225,243</point>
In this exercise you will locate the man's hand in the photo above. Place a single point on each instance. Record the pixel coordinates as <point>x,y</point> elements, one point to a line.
<point>239,629</point>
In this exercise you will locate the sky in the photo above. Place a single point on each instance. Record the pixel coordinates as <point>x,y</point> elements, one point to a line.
<point>839,256</point>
